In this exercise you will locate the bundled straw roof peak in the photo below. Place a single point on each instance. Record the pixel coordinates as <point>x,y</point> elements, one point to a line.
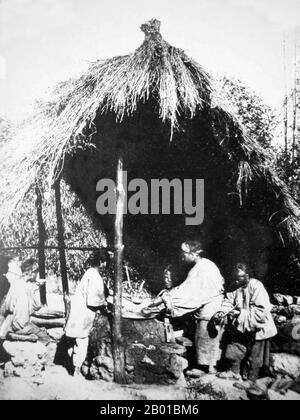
<point>119,84</point>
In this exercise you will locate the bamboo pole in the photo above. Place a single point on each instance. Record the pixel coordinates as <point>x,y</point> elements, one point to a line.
<point>61,243</point>
<point>118,347</point>
<point>41,246</point>
<point>57,248</point>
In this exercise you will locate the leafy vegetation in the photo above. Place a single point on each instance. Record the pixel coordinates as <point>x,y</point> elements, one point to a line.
<point>258,118</point>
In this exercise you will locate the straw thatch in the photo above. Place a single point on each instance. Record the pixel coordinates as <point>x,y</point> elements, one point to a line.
<point>156,71</point>
<point>119,85</point>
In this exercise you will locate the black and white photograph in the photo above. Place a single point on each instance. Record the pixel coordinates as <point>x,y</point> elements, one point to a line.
<point>149,203</point>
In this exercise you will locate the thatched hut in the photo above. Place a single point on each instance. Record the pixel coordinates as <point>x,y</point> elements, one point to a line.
<point>157,108</point>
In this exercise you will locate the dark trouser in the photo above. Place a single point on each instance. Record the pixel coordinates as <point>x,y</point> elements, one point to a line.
<point>256,359</point>
<point>244,348</point>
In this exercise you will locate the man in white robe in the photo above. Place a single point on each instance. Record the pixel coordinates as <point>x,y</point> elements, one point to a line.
<point>88,299</point>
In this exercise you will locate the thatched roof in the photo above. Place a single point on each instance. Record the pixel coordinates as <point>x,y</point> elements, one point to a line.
<point>156,71</point>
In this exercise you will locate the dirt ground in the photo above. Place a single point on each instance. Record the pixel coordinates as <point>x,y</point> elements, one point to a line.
<point>56,384</point>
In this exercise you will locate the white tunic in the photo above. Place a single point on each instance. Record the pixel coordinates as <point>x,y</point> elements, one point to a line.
<point>89,294</point>
<point>203,289</point>
<point>21,301</point>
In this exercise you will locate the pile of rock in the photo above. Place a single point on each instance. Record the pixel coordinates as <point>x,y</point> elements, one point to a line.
<point>28,360</point>
<point>148,358</point>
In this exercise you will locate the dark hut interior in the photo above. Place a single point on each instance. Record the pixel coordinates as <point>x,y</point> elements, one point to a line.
<point>231,232</point>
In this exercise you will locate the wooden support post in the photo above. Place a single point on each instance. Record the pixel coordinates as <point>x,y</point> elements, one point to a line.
<point>61,244</point>
<point>41,248</point>
<point>118,347</point>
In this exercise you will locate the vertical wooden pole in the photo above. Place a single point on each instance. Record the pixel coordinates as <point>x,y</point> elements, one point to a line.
<point>41,249</point>
<point>118,348</point>
<point>61,244</point>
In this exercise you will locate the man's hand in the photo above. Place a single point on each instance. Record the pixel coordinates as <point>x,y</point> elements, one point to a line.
<point>219,317</point>
<point>40,282</point>
<point>156,302</point>
<point>146,311</point>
